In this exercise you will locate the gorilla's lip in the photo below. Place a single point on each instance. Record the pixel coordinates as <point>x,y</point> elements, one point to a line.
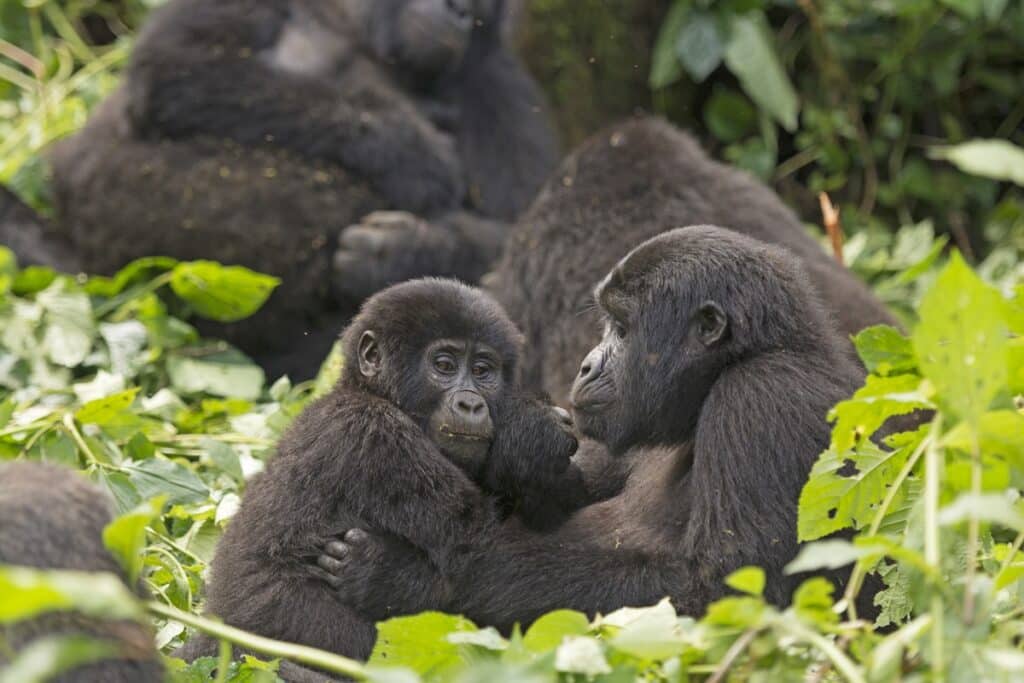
<point>586,406</point>
<point>464,436</point>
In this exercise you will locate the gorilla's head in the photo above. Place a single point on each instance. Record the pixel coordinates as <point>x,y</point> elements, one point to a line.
<point>678,310</point>
<point>426,37</point>
<point>441,351</point>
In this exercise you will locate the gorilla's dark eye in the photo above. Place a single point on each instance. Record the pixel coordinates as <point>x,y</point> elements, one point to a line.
<point>445,364</point>
<point>619,328</point>
<point>482,370</point>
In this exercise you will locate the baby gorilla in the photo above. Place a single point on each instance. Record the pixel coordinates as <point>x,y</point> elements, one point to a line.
<point>398,447</point>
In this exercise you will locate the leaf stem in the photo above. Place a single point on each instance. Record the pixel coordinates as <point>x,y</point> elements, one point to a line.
<point>932,543</point>
<point>302,654</point>
<point>973,531</point>
<point>843,664</point>
<point>223,662</point>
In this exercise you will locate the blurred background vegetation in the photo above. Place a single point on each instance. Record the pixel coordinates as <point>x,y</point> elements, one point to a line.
<point>858,98</point>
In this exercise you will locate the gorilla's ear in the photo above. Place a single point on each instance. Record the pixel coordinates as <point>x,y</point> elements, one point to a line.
<point>370,357</point>
<point>712,323</point>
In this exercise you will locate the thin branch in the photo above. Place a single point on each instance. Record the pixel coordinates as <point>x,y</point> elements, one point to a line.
<point>834,228</point>
<point>734,653</point>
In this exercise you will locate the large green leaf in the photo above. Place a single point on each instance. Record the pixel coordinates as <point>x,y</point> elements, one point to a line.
<point>961,341</point>
<point>699,45</point>
<point>666,68</point>
<point>223,293</point>
<point>997,159</point>
<point>125,536</point>
<point>844,489</point>
<point>419,642</point>
<point>29,592</point>
<point>70,329</point>
<point>750,54</point>
<point>220,371</point>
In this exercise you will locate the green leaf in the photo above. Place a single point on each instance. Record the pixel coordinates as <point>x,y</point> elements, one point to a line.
<point>749,580</point>
<point>996,159</point>
<point>968,8</point>
<point>223,457</point>
<point>999,432</point>
<point>961,341</point>
<point>845,488</point>
<point>813,602</point>
<point>222,293</point>
<point>750,54</point>
<point>886,662</point>
<point>648,633</point>
<point>741,612</point>
<point>487,638</point>
<point>139,270</point>
<point>105,410</point>
<point>729,115</point>
<point>885,351</point>
<point>881,398</point>
<point>699,45</point>
<point>156,477</point>
<point>45,658</point>
<point>665,66</point>
<point>69,328</point>
<point>29,592</point>
<point>581,655</point>
<point>987,507</point>
<point>547,633</point>
<point>219,371</point>
<point>33,279</point>
<point>419,642</point>
<point>125,537</point>
<point>832,553</point>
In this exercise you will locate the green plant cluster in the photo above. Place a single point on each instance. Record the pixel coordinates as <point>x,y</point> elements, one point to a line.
<point>864,100</point>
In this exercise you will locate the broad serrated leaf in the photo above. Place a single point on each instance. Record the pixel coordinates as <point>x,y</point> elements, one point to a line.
<point>858,418</point>
<point>813,602</point>
<point>845,488</point>
<point>105,410</point>
<point>69,328</point>
<point>751,56</point>
<point>961,341</point>
<point>885,351</point>
<point>222,293</point>
<point>581,655</point>
<point>649,633</point>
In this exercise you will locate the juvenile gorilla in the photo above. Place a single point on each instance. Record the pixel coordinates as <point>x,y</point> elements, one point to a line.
<point>397,447</point>
<point>53,518</point>
<point>258,131</point>
<point>716,370</point>
<point>627,184</point>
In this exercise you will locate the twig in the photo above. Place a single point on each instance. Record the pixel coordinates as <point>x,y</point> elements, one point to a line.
<point>830,216</point>
<point>16,54</point>
<point>275,648</point>
<point>734,652</point>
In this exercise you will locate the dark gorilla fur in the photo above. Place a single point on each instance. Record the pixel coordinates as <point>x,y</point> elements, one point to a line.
<point>255,132</point>
<point>361,456</point>
<point>627,184</point>
<point>53,518</point>
<point>716,372</point>
<point>32,240</point>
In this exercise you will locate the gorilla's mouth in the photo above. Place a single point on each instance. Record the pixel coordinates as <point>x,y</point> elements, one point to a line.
<point>448,433</point>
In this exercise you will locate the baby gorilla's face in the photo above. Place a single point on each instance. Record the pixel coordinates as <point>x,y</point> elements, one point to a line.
<point>465,376</point>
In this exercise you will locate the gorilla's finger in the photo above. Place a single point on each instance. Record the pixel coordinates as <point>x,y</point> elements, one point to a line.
<point>338,549</point>
<point>327,577</point>
<point>356,536</point>
<point>386,219</point>
<point>330,565</point>
<point>363,238</point>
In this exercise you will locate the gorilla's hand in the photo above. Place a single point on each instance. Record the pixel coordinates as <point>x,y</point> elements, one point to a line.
<point>389,247</point>
<point>381,576</point>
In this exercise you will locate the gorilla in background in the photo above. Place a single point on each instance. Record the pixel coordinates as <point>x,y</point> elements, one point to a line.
<point>421,439</point>
<point>53,518</point>
<point>30,238</point>
<point>716,369</point>
<point>627,184</point>
<point>261,132</point>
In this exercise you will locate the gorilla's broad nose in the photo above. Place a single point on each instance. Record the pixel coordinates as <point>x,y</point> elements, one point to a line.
<point>591,368</point>
<point>460,8</point>
<point>470,406</point>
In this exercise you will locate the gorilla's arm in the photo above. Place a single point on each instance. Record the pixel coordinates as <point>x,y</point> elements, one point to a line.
<point>220,54</point>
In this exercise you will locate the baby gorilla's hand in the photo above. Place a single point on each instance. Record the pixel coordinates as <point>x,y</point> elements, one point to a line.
<point>381,576</point>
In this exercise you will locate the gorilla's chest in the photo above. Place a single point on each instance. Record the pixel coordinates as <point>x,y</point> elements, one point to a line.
<point>308,47</point>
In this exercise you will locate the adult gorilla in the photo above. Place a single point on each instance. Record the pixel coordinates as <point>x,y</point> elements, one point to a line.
<point>627,184</point>
<point>263,133</point>
<point>717,367</point>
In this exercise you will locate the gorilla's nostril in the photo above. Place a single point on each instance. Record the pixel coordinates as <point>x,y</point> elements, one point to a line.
<point>584,370</point>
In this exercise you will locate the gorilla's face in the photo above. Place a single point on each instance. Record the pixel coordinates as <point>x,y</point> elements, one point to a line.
<point>451,387</point>
<point>645,382</point>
